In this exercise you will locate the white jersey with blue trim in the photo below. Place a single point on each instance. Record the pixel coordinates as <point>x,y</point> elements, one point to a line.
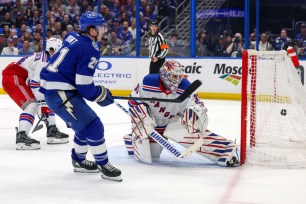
<point>152,87</point>
<point>73,67</point>
<point>34,64</point>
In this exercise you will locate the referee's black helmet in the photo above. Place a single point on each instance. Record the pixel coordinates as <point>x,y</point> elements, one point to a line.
<point>154,22</point>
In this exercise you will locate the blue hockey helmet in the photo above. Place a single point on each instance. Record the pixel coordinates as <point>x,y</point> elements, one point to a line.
<point>90,18</point>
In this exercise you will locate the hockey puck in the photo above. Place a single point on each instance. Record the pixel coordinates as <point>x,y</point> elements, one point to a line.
<point>283,112</point>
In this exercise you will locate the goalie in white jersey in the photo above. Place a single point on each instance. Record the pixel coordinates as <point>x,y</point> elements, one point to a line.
<point>184,123</point>
<point>21,80</point>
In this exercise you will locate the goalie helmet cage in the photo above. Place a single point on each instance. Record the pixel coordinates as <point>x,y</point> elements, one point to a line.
<point>273,107</point>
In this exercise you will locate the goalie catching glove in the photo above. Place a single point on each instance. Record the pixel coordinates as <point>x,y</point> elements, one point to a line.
<point>105,97</point>
<point>195,119</point>
<point>142,122</point>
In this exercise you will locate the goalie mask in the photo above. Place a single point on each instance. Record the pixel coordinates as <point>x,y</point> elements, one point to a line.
<point>171,74</point>
<point>53,45</point>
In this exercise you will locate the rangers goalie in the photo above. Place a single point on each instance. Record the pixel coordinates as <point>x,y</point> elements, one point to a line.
<point>184,123</point>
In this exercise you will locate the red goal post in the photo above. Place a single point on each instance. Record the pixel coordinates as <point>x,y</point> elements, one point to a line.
<point>273,111</point>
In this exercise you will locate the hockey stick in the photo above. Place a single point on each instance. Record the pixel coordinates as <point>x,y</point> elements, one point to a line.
<point>38,126</point>
<point>157,137</point>
<point>196,84</point>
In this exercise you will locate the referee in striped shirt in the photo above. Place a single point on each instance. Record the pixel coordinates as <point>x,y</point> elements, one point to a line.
<point>158,48</point>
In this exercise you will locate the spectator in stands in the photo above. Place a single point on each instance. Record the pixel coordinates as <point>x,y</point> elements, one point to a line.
<point>148,14</point>
<point>108,17</point>
<point>228,40</point>
<point>84,5</point>
<point>124,34</point>
<point>66,21</point>
<point>132,28</point>
<point>20,8</point>
<point>61,14</point>
<point>13,13</point>
<point>159,9</point>
<point>33,21</point>
<point>6,20</point>
<point>202,44</point>
<point>123,17</point>
<point>10,49</point>
<point>23,29</point>
<point>174,48</point>
<point>6,7</point>
<point>105,47</point>
<point>17,44</point>
<point>69,28</point>
<point>301,37</point>
<point>72,5</point>
<point>37,40</point>
<point>13,32</point>
<point>49,34</point>
<point>115,43</point>
<point>115,9</point>
<point>116,26</point>
<point>3,43</point>
<point>19,20</point>
<point>280,41</point>
<point>220,48</point>
<point>26,49</point>
<point>144,25</point>
<point>58,30</point>
<point>76,22</point>
<point>129,6</point>
<point>235,49</point>
<point>39,28</point>
<point>26,36</point>
<point>64,33</point>
<point>51,24</point>
<point>6,31</point>
<point>264,45</point>
<point>172,5</point>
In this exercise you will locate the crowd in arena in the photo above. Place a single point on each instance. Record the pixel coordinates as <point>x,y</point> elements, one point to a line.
<point>21,28</point>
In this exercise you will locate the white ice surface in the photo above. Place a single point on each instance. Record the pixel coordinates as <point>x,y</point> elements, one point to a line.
<point>46,176</point>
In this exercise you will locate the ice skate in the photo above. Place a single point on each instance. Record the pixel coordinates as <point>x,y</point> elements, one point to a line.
<point>233,162</point>
<point>54,136</point>
<point>24,142</point>
<point>110,172</point>
<point>85,166</point>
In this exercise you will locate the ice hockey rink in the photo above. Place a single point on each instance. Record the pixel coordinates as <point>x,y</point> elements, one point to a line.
<point>46,175</point>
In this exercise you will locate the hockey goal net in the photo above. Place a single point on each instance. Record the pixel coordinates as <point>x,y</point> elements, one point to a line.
<point>273,124</point>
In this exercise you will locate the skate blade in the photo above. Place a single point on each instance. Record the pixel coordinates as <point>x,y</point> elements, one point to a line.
<point>81,170</point>
<point>117,178</point>
<point>53,140</point>
<point>22,146</point>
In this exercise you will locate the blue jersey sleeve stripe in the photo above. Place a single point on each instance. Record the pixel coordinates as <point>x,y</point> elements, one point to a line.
<point>52,85</point>
<point>83,79</point>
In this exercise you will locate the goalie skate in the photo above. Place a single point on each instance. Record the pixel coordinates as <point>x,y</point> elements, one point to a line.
<point>110,172</point>
<point>54,136</point>
<point>24,142</point>
<point>85,166</point>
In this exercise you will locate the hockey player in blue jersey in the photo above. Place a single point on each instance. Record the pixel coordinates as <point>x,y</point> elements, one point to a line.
<point>184,123</point>
<point>67,81</point>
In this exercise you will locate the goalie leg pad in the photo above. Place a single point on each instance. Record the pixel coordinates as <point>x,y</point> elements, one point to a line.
<point>128,144</point>
<point>142,152</point>
<point>142,122</point>
<point>156,150</point>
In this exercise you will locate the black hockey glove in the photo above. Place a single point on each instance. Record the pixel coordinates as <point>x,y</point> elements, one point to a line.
<point>107,99</point>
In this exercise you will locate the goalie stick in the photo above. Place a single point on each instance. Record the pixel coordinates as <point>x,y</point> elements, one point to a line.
<point>196,84</point>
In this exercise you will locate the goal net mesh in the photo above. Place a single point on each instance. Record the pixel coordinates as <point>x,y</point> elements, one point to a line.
<point>275,111</point>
